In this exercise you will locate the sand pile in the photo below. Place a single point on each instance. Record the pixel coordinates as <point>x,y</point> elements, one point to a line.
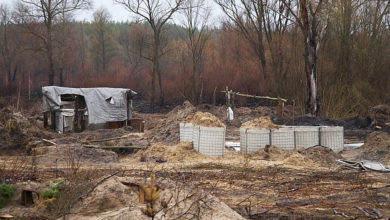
<point>176,153</point>
<point>111,194</point>
<point>297,159</point>
<point>376,148</point>
<point>204,119</point>
<point>264,122</point>
<point>118,198</point>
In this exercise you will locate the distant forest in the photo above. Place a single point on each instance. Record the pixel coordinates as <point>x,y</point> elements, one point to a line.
<point>270,48</point>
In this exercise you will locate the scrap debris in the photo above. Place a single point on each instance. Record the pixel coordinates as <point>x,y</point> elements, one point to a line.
<point>372,213</point>
<point>365,165</point>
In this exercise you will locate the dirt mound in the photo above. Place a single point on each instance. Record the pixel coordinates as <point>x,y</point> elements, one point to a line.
<point>176,153</point>
<point>166,130</point>
<point>313,156</point>
<point>271,153</point>
<point>260,123</point>
<point>67,153</point>
<point>297,159</point>
<point>320,155</point>
<point>205,119</point>
<point>118,198</point>
<point>376,148</point>
<point>110,194</point>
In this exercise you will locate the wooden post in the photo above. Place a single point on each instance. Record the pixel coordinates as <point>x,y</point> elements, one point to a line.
<point>45,120</point>
<point>233,97</point>
<point>53,119</point>
<point>141,196</point>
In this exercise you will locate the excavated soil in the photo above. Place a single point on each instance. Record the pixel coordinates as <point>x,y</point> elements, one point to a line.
<point>166,129</point>
<point>320,155</point>
<point>376,148</point>
<point>314,156</point>
<point>260,123</point>
<point>205,119</point>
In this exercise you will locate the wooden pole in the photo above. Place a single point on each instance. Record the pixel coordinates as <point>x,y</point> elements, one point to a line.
<point>214,94</point>
<point>257,97</point>
<point>29,86</point>
<point>17,103</point>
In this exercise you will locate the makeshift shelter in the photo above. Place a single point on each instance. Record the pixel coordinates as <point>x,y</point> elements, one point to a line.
<point>74,109</point>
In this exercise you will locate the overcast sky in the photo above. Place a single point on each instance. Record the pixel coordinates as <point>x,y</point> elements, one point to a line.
<point>119,13</point>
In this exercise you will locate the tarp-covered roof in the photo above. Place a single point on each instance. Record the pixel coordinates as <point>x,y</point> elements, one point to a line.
<point>104,104</point>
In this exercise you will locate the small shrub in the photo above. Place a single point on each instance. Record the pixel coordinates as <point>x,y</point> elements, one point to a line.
<point>12,126</point>
<point>6,192</point>
<point>53,191</point>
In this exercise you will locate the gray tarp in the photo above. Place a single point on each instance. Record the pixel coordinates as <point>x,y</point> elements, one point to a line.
<point>104,104</point>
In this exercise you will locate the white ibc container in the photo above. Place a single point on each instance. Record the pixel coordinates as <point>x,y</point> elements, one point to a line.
<point>332,137</point>
<point>209,141</point>
<point>253,140</point>
<point>283,138</point>
<point>306,136</point>
<point>186,132</point>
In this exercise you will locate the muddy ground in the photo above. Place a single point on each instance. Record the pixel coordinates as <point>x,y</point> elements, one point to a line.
<point>269,184</point>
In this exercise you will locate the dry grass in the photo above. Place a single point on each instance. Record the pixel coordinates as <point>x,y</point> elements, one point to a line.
<point>264,122</point>
<point>205,119</point>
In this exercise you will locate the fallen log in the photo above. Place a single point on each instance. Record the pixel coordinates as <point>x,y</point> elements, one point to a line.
<point>113,147</point>
<point>106,139</point>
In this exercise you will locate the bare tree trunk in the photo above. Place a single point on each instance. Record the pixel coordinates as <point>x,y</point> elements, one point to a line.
<point>51,64</point>
<point>261,55</point>
<point>194,84</point>
<point>49,47</point>
<point>156,64</point>
<point>311,65</point>
<point>153,82</point>
<point>62,77</point>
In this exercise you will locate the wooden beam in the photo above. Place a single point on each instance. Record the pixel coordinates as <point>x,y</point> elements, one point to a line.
<point>257,97</point>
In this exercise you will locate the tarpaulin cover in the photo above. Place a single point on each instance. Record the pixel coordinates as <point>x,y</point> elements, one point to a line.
<point>104,104</point>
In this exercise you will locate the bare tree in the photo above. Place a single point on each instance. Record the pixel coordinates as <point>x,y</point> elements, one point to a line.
<point>196,16</point>
<point>248,17</point>
<point>46,12</point>
<point>6,56</point>
<point>156,13</point>
<point>101,38</point>
<point>309,15</point>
